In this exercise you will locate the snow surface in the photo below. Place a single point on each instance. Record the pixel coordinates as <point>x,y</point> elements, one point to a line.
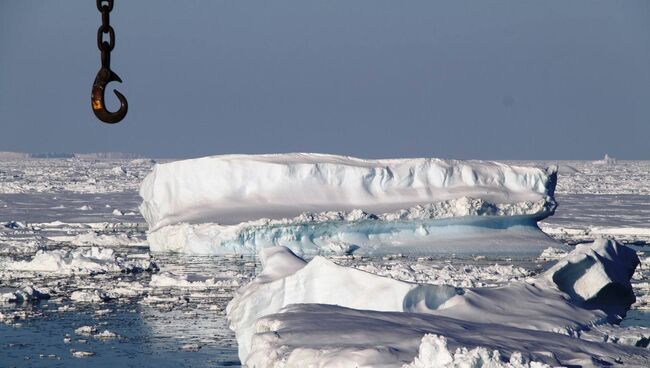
<point>590,286</point>
<point>330,335</point>
<point>342,205</point>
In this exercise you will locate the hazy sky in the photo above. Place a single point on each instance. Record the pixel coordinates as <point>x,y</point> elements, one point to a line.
<point>460,79</point>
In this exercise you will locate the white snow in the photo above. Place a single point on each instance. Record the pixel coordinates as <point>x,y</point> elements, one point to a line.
<point>553,302</point>
<point>330,335</point>
<point>434,353</point>
<point>235,188</point>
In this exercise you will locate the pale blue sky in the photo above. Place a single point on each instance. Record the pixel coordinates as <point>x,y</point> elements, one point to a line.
<point>513,79</point>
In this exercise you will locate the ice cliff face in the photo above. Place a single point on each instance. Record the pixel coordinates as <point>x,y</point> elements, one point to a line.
<point>292,305</point>
<point>317,203</point>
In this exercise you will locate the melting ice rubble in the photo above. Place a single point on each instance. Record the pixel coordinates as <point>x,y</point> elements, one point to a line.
<point>80,261</point>
<point>317,204</point>
<point>318,313</point>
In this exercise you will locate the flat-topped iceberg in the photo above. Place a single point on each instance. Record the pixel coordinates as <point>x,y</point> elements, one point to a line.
<point>320,312</point>
<point>316,203</point>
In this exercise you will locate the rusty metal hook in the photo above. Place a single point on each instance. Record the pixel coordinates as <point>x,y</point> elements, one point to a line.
<point>105,76</point>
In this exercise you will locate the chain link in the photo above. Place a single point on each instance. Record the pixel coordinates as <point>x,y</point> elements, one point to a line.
<point>109,4</point>
<point>105,46</point>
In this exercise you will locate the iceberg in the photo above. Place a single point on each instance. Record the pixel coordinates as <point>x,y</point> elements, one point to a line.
<point>315,204</point>
<point>324,313</point>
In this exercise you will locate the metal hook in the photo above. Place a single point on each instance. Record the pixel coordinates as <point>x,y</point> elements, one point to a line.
<point>105,76</point>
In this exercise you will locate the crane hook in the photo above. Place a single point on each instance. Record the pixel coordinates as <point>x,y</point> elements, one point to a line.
<point>105,76</point>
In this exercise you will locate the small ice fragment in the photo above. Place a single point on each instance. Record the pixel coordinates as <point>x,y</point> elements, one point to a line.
<point>102,312</point>
<point>94,296</point>
<point>118,170</point>
<point>85,330</point>
<point>191,347</point>
<point>105,335</point>
<point>82,354</point>
<point>551,253</point>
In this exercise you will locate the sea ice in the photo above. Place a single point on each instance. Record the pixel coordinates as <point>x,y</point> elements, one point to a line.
<point>192,281</point>
<point>572,296</point>
<point>105,335</point>
<point>81,354</point>
<point>93,296</point>
<point>22,295</point>
<point>99,239</point>
<point>84,261</point>
<point>85,330</point>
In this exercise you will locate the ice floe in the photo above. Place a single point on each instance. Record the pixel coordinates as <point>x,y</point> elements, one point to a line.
<point>99,238</point>
<point>92,296</point>
<point>22,295</point>
<point>590,286</point>
<point>192,281</point>
<point>80,261</point>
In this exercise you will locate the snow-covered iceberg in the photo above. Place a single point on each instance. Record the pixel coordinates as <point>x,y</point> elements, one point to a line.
<point>316,203</point>
<point>322,312</point>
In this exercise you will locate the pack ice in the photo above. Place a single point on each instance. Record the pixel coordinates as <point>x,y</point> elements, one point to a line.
<point>315,204</point>
<point>297,314</point>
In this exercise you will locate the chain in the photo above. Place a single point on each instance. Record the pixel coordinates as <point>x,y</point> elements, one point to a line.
<point>105,7</point>
<point>105,74</point>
